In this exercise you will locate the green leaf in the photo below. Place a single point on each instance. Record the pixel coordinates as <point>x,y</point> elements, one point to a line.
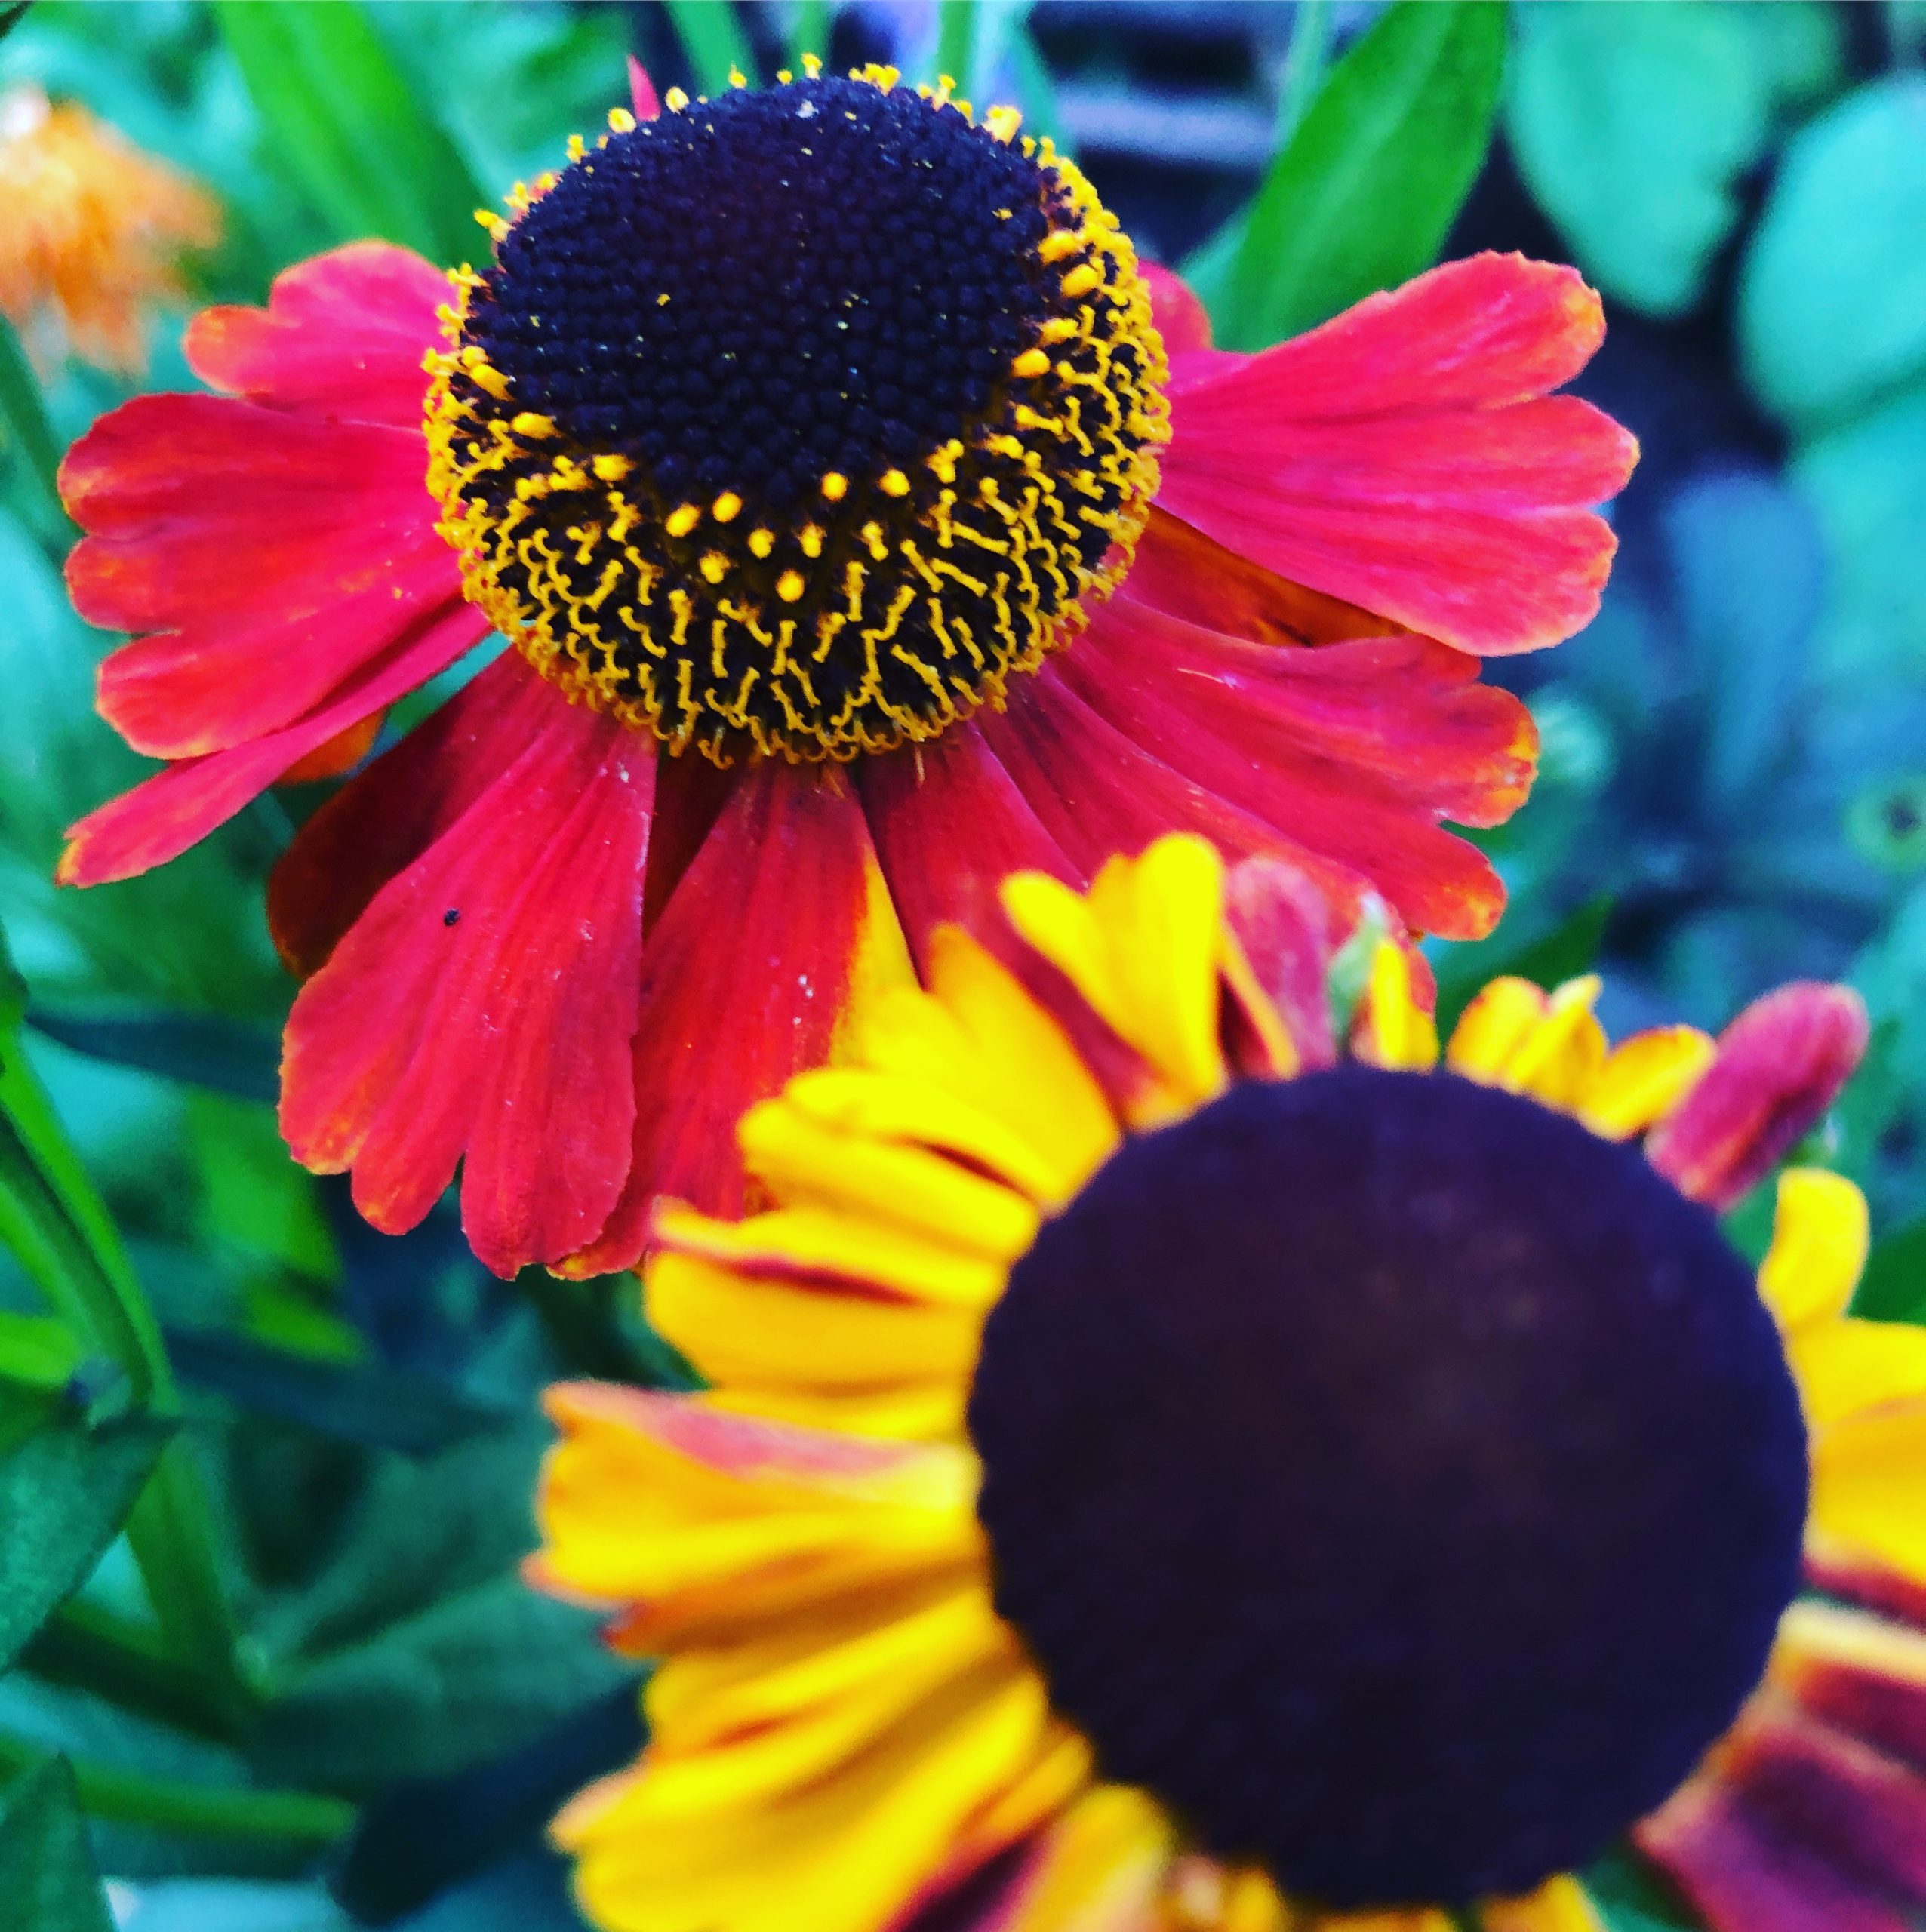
<point>37,1351</point>
<point>64,1493</point>
<point>474,1676</point>
<point>1867,480</point>
<point>1832,299</point>
<point>1570,948</point>
<point>57,1225</point>
<point>25,433</point>
<point>198,1049</point>
<point>713,39</point>
<point>172,1804</point>
<point>1893,1287</point>
<point>371,157</point>
<point>1361,197</point>
<point>47,1874</point>
<point>1631,126</point>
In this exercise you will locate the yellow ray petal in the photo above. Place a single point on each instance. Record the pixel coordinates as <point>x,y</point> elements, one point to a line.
<point>848,1851</point>
<point>890,1106</point>
<point>1101,1868</point>
<point>1643,1078</point>
<point>1820,1234</point>
<point>1394,1031</point>
<point>1846,1368</point>
<point>739,1328</point>
<point>806,1163</point>
<point>1492,1027</point>
<point>1869,1482</point>
<point>830,1249</point>
<point>1559,1905</point>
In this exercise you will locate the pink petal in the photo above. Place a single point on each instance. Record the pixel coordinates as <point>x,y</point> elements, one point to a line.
<point>484,1006</point>
<point>949,825</point>
<point>780,926</point>
<point>1779,1065</point>
<point>160,819</point>
<point>1405,455</point>
<point>342,337</point>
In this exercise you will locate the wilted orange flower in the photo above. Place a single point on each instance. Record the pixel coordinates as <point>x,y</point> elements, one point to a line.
<point>92,230</point>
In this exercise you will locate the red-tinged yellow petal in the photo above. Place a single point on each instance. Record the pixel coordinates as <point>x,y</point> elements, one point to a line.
<point>900,1412</point>
<point>1162,915</point>
<point>1142,949</point>
<point>803,1163</point>
<point>978,1034</point>
<point>1643,1078</point>
<point>1559,1059</point>
<point>828,1250</point>
<point>740,1328</point>
<point>670,1502</point>
<point>1559,1905</point>
<point>1201,1895</point>
<point>1419,1919</point>
<point>1868,1479</point>
<point>1820,1234</point>
<point>1101,1868</point>
<point>758,1721</point>
<point>1061,1772</point>
<point>1392,1029</point>
<point>1492,1027</point>
<point>890,1106</point>
<point>848,1851</point>
<point>1848,1368</point>
<point>1513,1036</point>
<point>1862,1674</point>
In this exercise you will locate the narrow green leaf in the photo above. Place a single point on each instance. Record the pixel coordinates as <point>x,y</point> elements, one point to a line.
<point>1363,194</point>
<point>57,1225</point>
<point>370,155</point>
<point>47,1874</point>
<point>713,39</point>
<point>234,1811</point>
<point>24,430</point>
<point>64,1493</point>
<point>198,1049</point>
<point>809,31</point>
<point>37,1351</point>
<point>958,23</point>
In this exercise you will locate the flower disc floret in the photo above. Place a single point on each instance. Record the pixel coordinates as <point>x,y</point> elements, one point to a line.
<point>1399,1480</point>
<point>796,421</point>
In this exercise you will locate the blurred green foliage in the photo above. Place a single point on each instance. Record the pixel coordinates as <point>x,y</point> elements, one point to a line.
<point>306,1652</point>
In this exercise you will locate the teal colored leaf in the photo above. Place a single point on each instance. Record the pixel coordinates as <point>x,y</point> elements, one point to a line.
<point>198,1049</point>
<point>64,1493</point>
<point>1833,299</point>
<point>369,154</point>
<point>1365,189</point>
<point>1867,481</point>
<point>1750,568</point>
<point>46,1874</point>
<point>1631,126</point>
<point>713,39</point>
<point>25,435</point>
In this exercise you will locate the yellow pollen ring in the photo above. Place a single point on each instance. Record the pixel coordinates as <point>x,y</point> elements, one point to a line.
<point>682,520</point>
<point>620,121</point>
<point>789,586</point>
<point>836,486</point>
<point>1031,362</point>
<point>1081,279</point>
<point>894,483</point>
<point>727,507</point>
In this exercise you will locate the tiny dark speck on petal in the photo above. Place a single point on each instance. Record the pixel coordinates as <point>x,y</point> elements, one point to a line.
<point>452,916</point>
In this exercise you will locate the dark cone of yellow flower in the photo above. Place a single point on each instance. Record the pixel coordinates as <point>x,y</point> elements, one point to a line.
<point>792,423</point>
<point>1402,1481</point>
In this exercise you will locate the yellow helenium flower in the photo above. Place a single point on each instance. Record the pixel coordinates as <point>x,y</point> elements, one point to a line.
<point>1169,1467</point>
<point>92,230</point>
